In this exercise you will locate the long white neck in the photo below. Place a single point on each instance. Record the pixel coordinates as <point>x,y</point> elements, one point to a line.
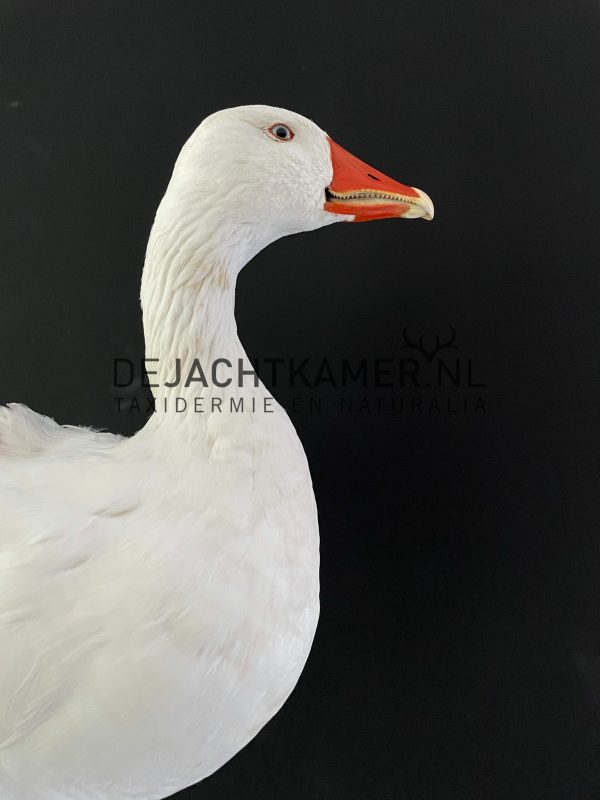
<point>188,290</point>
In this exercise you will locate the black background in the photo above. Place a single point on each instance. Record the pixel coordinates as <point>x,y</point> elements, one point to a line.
<point>458,654</point>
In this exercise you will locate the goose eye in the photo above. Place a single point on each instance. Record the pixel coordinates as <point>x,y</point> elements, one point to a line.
<point>281,132</point>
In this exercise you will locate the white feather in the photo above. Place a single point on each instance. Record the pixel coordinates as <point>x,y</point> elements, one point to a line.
<point>159,594</point>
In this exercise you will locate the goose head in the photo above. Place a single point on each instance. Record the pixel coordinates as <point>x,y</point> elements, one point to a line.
<point>262,172</point>
<point>246,177</point>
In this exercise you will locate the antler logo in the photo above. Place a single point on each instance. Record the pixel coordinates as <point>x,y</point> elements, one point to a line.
<point>429,353</point>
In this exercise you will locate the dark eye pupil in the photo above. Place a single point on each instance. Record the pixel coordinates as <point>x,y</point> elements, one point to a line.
<point>281,131</point>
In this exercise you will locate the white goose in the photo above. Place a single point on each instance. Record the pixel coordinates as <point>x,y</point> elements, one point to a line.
<point>159,594</point>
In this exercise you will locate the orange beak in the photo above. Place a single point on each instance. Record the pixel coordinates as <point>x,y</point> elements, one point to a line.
<point>366,193</point>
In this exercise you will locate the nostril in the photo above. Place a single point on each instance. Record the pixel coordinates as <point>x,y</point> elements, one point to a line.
<point>375,178</point>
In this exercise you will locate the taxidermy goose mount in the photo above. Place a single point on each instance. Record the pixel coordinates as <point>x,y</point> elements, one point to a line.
<point>159,594</point>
